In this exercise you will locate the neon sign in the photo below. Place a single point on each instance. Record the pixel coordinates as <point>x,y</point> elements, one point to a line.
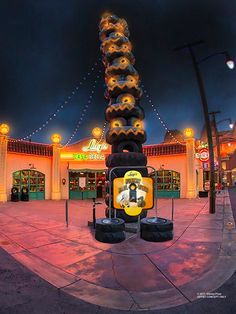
<point>95,146</point>
<point>83,156</point>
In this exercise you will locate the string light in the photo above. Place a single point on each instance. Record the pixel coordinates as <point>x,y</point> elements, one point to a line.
<point>159,117</point>
<point>61,106</point>
<point>103,132</point>
<point>84,110</point>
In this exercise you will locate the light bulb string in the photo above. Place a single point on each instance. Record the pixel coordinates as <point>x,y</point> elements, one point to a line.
<point>84,111</point>
<point>156,112</point>
<point>102,137</point>
<point>63,105</point>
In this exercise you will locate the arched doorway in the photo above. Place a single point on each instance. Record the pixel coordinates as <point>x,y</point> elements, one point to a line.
<point>34,180</point>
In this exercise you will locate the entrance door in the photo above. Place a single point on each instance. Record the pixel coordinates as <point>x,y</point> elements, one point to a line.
<point>33,180</point>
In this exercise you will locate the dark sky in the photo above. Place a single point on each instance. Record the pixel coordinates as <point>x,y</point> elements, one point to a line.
<point>47,47</point>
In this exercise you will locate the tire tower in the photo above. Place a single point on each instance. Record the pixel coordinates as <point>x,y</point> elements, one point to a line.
<point>124,114</point>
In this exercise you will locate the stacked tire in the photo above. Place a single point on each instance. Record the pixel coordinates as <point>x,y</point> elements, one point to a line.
<point>24,194</point>
<point>156,229</point>
<point>110,230</point>
<point>15,194</point>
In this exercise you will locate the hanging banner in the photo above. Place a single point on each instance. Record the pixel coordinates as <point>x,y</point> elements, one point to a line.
<point>132,193</point>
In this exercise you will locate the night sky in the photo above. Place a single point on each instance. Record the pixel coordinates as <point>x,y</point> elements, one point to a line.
<point>48,46</point>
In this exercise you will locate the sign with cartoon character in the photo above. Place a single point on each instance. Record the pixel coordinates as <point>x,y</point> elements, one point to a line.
<point>133,193</point>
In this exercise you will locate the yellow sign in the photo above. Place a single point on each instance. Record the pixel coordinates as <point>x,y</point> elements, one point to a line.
<point>132,193</point>
<point>95,146</point>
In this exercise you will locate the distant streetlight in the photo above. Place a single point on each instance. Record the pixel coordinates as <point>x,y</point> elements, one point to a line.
<point>217,138</point>
<point>229,61</point>
<point>230,64</point>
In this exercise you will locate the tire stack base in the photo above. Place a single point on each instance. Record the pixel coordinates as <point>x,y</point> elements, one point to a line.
<point>110,231</point>
<point>122,215</point>
<point>156,229</point>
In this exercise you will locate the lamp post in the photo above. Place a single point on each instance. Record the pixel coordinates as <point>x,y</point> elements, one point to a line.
<point>214,123</point>
<point>230,64</point>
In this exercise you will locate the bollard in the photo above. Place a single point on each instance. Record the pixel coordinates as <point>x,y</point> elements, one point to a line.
<point>67,213</point>
<point>172,209</point>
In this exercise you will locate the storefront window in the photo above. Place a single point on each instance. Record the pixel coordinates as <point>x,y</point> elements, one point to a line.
<point>167,180</point>
<point>31,179</point>
<point>86,184</point>
<point>168,183</point>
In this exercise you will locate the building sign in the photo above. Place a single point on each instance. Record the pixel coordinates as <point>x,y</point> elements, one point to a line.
<point>132,193</point>
<point>91,150</point>
<point>202,145</point>
<point>95,146</point>
<point>203,155</point>
<point>82,157</point>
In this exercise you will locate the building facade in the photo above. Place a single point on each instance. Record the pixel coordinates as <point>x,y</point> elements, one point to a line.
<point>78,171</point>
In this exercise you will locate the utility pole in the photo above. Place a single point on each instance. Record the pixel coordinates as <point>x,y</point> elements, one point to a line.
<point>190,47</point>
<point>213,114</point>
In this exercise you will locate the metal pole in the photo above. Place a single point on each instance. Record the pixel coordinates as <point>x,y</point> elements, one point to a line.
<point>217,145</point>
<point>67,213</point>
<point>94,212</point>
<point>155,193</point>
<point>172,209</point>
<point>208,130</point>
<point>207,122</point>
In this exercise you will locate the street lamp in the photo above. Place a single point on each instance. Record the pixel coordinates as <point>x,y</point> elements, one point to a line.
<point>190,47</point>
<point>229,61</point>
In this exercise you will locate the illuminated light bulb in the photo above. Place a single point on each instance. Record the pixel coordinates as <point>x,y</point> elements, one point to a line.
<point>188,132</point>
<point>231,125</point>
<point>4,129</point>
<point>56,138</point>
<point>97,132</point>
<point>230,64</point>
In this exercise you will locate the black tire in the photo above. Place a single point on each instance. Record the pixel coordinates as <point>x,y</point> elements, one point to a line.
<point>130,134</point>
<point>110,237</point>
<point>122,110</point>
<point>127,146</point>
<point>122,215</point>
<point>126,159</point>
<point>115,225</point>
<point>156,236</point>
<point>123,89</point>
<point>14,190</point>
<point>150,224</point>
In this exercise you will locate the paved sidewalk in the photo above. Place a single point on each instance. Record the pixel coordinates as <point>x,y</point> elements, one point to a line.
<point>134,274</point>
